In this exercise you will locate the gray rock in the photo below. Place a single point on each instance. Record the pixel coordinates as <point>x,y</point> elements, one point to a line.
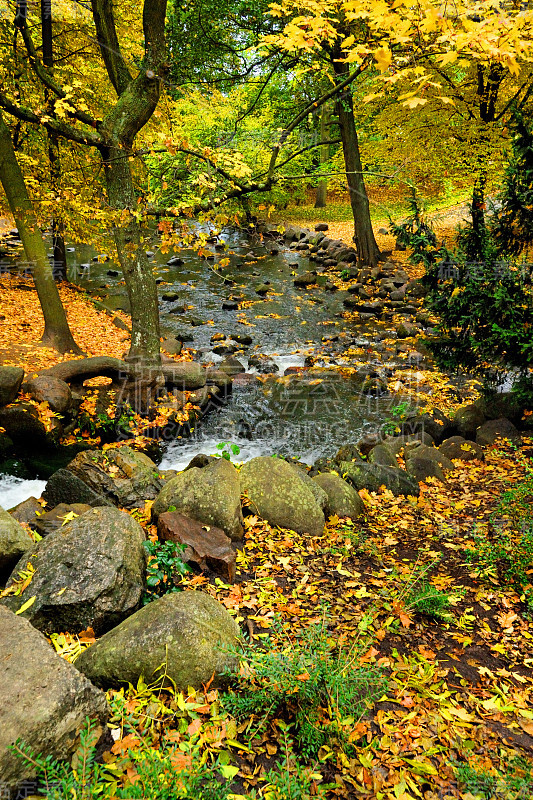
<point>263,364</point>
<point>373,476</point>
<point>405,330</point>
<point>505,404</point>
<point>495,429</point>
<point>44,700</point>
<point>306,279</point>
<point>231,366</point>
<point>342,500</point>
<point>10,383</point>
<point>383,455</point>
<point>467,419</point>
<point>419,450</point>
<point>457,447</point>
<point>90,572</point>
<point>278,494</point>
<point>26,511</point>
<point>172,346</point>
<point>434,422</point>
<point>397,443</point>
<point>50,521</point>
<point>319,494</point>
<point>423,468</point>
<point>126,477</point>
<point>186,632</point>
<point>47,389</point>
<point>64,487</point>
<point>23,426</point>
<point>210,495</point>
<point>14,542</point>
<point>184,375</point>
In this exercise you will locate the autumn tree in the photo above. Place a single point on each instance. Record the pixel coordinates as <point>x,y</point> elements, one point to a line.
<point>56,330</point>
<point>137,93</point>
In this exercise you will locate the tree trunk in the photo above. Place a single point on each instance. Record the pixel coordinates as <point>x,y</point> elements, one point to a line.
<point>58,240</point>
<point>322,188</point>
<point>138,275</point>
<point>368,253</point>
<point>56,330</point>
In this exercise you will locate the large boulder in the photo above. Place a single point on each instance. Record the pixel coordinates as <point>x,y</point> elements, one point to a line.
<point>382,454</point>
<point>504,404</point>
<point>27,511</point>
<point>210,495</point>
<point>54,391</point>
<point>433,422</point>
<point>278,494</point>
<point>65,487</point>
<point>419,450</point>
<point>373,476</point>
<point>457,447</point>
<point>126,477</point>
<point>181,638</point>
<point>14,541</point>
<point>10,382</point>
<point>22,424</point>
<point>343,500</point>
<point>184,375</point>
<point>206,546</point>
<point>50,521</point>
<point>397,443</point>
<point>89,573</point>
<point>44,700</point>
<point>467,419</point>
<point>495,429</point>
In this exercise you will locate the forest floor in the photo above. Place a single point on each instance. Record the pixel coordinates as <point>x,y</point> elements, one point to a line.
<point>453,676</point>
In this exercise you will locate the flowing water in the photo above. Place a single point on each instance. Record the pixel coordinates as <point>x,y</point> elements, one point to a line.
<point>307,414</point>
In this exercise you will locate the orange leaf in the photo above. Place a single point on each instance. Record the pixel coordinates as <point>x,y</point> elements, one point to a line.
<point>194,727</point>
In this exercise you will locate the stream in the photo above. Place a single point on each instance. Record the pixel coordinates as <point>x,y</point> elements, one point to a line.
<point>308,412</point>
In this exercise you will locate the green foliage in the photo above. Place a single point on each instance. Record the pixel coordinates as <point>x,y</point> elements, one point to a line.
<point>164,565</point>
<point>292,781</point>
<point>504,553</point>
<point>512,227</point>
<point>164,773</point>
<point>484,303</point>
<point>398,413</point>
<point>424,598</point>
<point>227,449</point>
<point>309,680</point>
<point>514,783</point>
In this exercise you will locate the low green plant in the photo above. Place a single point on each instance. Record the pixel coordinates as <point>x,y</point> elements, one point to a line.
<point>309,680</point>
<point>398,413</point>
<point>424,598</point>
<point>504,551</point>
<point>292,781</point>
<point>504,555</point>
<point>514,783</point>
<point>164,564</point>
<point>163,773</point>
<point>227,449</point>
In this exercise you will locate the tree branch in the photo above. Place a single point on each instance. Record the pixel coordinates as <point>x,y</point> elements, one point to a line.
<point>47,80</point>
<point>107,38</point>
<point>53,125</point>
<point>308,110</point>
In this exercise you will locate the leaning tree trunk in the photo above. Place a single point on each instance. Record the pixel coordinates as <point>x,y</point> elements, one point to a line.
<point>56,330</point>
<point>322,187</point>
<point>368,253</point>
<point>138,274</point>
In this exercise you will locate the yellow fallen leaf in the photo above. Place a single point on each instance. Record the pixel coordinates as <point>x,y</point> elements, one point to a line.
<point>24,607</point>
